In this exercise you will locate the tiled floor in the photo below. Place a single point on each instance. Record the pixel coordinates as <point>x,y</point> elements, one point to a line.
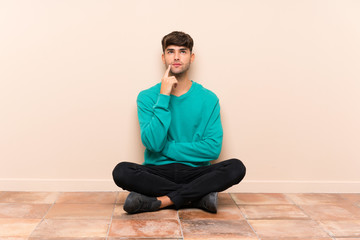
<point>99,215</point>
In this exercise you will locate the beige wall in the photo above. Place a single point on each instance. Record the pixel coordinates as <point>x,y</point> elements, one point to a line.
<point>287,74</point>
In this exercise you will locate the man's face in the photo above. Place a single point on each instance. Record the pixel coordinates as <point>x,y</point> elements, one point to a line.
<point>179,58</point>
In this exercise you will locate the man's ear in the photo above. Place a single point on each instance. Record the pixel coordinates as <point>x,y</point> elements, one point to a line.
<point>192,58</point>
<point>163,58</point>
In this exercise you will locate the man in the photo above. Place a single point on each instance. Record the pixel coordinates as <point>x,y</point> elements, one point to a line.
<point>181,129</point>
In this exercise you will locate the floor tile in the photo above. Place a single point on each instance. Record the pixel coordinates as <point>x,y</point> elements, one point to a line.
<point>17,228</point>
<point>121,197</point>
<point>67,238</point>
<point>14,238</point>
<point>352,197</point>
<point>225,212</point>
<point>287,229</point>
<point>121,238</point>
<point>291,238</point>
<point>29,197</point>
<point>80,211</point>
<point>332,212</point>
<point>273,212</point>
<point>163,228</point>
<point>347,238</point>
<point>54,228</point>
<point>216,229</point>
<point>20,210</point>
<point>225,199</point>
<point>88,215</point>
<point>119,213</point>
<point>87,197</point>
<point>316,198</point>
<point>260,198</point>
<point>342,228</point>
<point>220,237</point>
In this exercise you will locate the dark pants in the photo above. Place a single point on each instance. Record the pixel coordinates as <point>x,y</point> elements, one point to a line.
<point>181,183</point>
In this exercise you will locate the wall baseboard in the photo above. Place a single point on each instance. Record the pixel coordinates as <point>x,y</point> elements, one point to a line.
<point>250,186</point>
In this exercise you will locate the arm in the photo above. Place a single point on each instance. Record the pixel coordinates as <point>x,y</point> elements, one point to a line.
<point>155,119</point>
<point>206,149</point>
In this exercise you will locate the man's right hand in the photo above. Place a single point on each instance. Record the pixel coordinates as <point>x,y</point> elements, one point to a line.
<point>168,83</point>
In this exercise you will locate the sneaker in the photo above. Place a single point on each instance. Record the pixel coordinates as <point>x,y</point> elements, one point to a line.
<point>207,203</point>
<point>137,203</point>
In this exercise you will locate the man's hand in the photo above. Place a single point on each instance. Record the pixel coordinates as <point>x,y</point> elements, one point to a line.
<point>168,83</point>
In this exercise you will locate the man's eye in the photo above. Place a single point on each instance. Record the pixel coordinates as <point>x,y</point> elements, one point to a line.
<point>183,52</point>
<point>170,52</point>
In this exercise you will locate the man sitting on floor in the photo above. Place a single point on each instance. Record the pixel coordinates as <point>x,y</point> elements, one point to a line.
<point>181,129</point>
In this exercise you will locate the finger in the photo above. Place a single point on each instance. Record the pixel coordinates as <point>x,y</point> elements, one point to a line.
<point>167,71</point>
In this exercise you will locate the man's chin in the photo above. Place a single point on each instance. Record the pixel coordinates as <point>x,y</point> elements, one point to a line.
<point>177,73</point>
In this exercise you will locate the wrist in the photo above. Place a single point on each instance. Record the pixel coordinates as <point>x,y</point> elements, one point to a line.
<point>164,92</point>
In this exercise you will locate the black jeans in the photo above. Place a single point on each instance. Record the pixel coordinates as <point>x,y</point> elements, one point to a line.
<point>181,183</point>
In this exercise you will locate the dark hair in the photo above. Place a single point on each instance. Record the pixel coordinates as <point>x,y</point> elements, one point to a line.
<point>178,39</point>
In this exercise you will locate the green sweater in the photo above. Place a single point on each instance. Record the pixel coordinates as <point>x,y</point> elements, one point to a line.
<point>185,129</point>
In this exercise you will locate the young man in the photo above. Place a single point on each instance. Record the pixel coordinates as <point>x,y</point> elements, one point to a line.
<point>181,129</point>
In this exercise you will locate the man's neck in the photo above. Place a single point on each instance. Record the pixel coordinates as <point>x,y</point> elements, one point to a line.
<point>183,85</point>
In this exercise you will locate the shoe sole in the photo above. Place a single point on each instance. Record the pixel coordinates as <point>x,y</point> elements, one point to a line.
<point>129,205</point>
<point>214,198</point>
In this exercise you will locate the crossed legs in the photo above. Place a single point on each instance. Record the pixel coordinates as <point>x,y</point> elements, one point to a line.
<point>178,184</point>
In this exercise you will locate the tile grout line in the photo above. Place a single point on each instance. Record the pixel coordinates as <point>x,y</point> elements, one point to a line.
<point>258,237</point>
<point>317,222</point>
<point>232,198</point>
<point>181,229</point>
<point>112,215</point>
<point>43,218</point>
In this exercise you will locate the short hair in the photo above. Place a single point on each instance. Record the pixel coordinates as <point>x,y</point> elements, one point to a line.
<point>177,38</point>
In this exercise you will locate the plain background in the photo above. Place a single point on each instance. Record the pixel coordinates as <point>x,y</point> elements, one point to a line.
<point>287,74</point>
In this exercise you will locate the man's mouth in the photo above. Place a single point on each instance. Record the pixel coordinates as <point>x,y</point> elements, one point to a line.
<point>176,64</point>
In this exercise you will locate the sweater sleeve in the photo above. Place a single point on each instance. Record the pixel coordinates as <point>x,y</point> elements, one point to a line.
<point>208,148</point>
<point>154,120</point>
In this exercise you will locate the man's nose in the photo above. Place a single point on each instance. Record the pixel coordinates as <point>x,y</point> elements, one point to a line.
<point>177,55</point>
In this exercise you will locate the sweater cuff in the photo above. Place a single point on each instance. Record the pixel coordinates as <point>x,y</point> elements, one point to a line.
<point>162,101</point>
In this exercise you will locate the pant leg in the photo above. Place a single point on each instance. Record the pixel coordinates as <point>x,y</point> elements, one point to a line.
<point>152,181</point>
<point>203,180</point>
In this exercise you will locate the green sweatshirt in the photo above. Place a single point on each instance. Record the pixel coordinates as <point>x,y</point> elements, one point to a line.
<point>185,129</point>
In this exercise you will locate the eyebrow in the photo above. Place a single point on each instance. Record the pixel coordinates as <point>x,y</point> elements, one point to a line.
<point>172,49</point>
